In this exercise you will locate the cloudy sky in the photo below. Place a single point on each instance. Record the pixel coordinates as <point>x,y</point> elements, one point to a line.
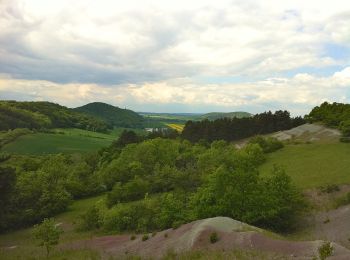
<point>177,56</point>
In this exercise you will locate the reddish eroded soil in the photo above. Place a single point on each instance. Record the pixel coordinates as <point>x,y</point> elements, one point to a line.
<point>195,236</point>
<point>326,222</point>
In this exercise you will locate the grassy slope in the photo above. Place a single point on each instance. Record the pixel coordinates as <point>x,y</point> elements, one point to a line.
<point>72,141</point>
<point>313,165</point>
<point>24,241</point>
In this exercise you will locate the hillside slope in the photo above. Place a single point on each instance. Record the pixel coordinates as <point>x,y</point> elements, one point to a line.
<point>217,115</point>
<point>114,116</point>
<point>231,234</point>
<point>38,115</point>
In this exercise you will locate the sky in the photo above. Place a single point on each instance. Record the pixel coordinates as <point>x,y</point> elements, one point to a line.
<point>177,56</point>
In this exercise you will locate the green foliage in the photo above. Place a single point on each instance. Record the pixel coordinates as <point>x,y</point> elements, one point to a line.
<point>242,195</point>
<point>214,237</point>
<point>133,190</point>
<point>114,116</point>
<point>12,135</point>
<point>91,219</point>
<point>145,237</point>
<point>48,234</point>
<point>329,188</point>
<point>268,144</point>
<point>325,250</point>
<point>231,129</point>
<point>218,115</point>
<point>343,200</point>
<point>41,115</point>
<point>43,187</point>
<point>333,115</point>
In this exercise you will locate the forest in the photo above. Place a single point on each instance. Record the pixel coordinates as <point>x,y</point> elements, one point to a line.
<point>45,115</point>
<point>336,115</point>
<point>169,181</point>
<point>231,129</point>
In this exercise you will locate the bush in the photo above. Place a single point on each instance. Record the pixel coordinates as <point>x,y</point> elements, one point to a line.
<point>145,237</point>
<point>91,219</point>
<point>344,139</point>
<point>329,188</point>
<point>343,200</point>
<point>268,144</point>
<point>214,237</point>
<point>133,237</point>
<point>48,234</point>
<point>325,250</point>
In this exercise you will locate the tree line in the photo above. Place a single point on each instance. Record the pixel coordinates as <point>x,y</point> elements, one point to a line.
<point>335,115</point>
<point>231,129</point>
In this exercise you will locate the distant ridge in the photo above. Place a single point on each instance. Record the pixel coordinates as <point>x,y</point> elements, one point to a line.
<point>217,115</point>
<point>112,115</point>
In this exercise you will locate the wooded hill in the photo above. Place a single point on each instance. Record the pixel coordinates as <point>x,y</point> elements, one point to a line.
<point>113,116</point>
<point>43,115</point>
<point>218,115</point>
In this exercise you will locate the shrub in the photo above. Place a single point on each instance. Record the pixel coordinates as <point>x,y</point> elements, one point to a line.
<point>329,188</point>
<point>325,250</point>
<point>133,237</point>
<point>91,219</point>
<point>213,238</point>
<point>48,234</point>
<point>344,139</point>
<point>268,144</point>
<point>343,200</point>
<point>145,237</point>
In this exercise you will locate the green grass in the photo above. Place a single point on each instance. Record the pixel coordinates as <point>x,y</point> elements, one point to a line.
<point>26,246</point>
<point>312,165</point>
<point>63,141</point>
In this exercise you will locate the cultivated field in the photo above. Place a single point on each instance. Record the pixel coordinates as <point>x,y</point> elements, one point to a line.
<point>177,127</point>
<point>62,141</point>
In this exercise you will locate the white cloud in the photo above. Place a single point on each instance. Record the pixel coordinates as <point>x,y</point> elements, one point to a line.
<point>151,52</point>
<point>297,94</point>
<point>154,40</point>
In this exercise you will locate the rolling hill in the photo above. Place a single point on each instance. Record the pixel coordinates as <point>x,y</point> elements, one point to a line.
<point>43,115</point>
<point>114,116</point>
<point>217,115</point>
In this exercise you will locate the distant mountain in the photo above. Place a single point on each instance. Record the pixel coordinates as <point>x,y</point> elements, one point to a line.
<point>217,115</point>
<point>112,115</point>
<point>41,115</point>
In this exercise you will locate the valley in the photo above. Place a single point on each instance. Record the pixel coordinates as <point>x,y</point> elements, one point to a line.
<point>130,195</point>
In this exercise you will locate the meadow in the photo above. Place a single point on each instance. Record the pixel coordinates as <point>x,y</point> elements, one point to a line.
<point>62,141</point>
<point>312,165</point>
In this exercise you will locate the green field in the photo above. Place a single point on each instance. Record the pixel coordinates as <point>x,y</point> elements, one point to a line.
<point>313,165</point>
<point>63,141</point>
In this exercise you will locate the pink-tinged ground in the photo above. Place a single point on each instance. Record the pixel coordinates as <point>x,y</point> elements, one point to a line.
<point>195,236</point>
